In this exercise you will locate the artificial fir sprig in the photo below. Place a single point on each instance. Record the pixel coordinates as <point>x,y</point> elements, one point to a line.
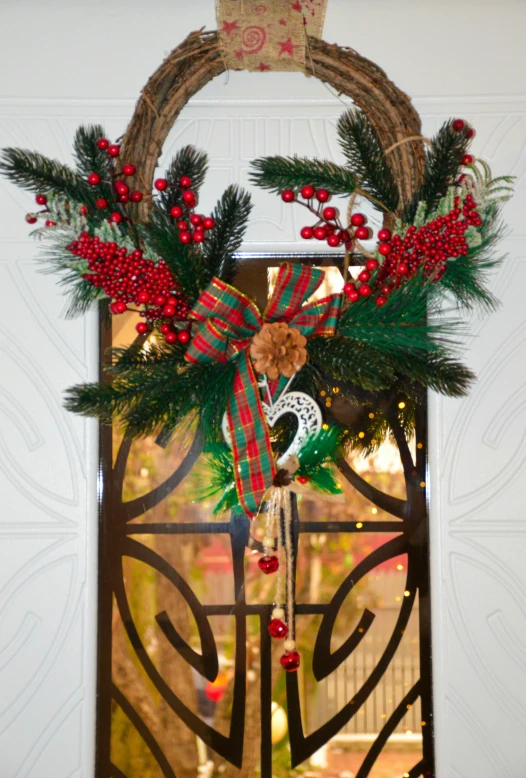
<point>279,173</point>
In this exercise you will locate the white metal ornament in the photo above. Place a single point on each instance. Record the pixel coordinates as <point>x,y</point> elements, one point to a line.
<point>301,405</point>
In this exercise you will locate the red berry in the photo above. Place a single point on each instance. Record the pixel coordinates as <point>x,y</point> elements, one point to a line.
<point>470,133</point>
<point>103,144</point>
<point>120,307</point>
<point>269,564</point>
<point>209,223</point>
<point>142,297</point>
<point>93,179</point>
<point>170,337</point>
<point>83,210</point>
<point>165,328</point>
<point>185,237</point>
<point>183,336</point>
<point>362,233</point>
<point>101,203</point>
<point>198,236</point>
<point>196,219</point>
<point>322,195</point>
<point>371,264</point>
<point>50,223</point>
<point>329,213</point>
<point>402,269</point>
<point>468,159</point>
<point>121,188</point>
<point>290,661</point>
<point>365,290</point>
<point>160,184</point>
<point>176,211</point>
<point>288,196</point>
<point>277,629</point>
<point>364,276</point>
<point>307,233</point>
<point>384,235</point>
<point>307,192</point>
<point>333,241</point>
<point>114,150</point>
<point>320,233</point>
<point>41,199</point>
<point>381,300</point>
<point>159,299</point>
<point>358,220</point>
<point>182,225</point>
<point>459,124</point>
<point>185,182</point>
<point>188,197</point>
<point>169,310</point>
<point>384,249</point>
<point>302,479</point>
<point>136,196</point>
<point>348,287</point>
<point>124,198</point>
<point>115,217</point>
<point>128,170</point>
<point>142,328</point>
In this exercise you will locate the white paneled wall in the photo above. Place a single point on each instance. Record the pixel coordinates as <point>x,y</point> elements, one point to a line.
<point>72,62</point>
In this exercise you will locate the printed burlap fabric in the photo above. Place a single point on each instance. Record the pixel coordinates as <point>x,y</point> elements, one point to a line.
<point>269,35</point>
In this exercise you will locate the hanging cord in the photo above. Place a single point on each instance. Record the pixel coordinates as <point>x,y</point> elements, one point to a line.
<point>290,644</point>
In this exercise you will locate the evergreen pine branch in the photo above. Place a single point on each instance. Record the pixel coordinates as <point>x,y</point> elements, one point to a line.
<point>39,174</point>
<point>161,235</point>
<point>231,217</point>
<point>439,372</point>
<point>443,160</point>
<point>279,173</point>
<point>88,156</point>
<point>366,158</point>
<point>190,162</point>
<point>354,362</point>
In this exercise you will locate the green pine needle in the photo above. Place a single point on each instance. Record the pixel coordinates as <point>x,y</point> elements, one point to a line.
<point>231,217</point>
<point>279,173</point>
<point>39,174</point>
<point>190,162</point>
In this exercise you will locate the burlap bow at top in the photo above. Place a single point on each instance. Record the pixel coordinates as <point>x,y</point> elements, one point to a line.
<point>228,322</point>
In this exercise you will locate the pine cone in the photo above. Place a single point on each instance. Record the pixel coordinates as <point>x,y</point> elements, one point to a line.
<point>278,349</point>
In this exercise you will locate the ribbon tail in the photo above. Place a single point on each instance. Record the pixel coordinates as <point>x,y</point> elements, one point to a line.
<point>254,466</point>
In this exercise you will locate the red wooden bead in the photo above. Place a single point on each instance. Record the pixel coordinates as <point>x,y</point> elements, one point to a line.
<point>277,629</point>
<point>160,184</point>
<point>358,220</point>
<point>290,661</point>
<point>322,195</point>
<point>307,233</point>
<point>307,192</point>
<point>288,195</point>
<point>128,170</point>
<point>269,564</point>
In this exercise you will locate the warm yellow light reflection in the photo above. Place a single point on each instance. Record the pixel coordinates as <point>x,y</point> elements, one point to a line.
<point>420,445</point>
<point>371,415</point>
<point>359,525</point>
<point>401,405</point>
<point>422,484</point>
<point>407,593</point>
<point>399,567</point>
<point>374,510</point>
<point>361,434</point>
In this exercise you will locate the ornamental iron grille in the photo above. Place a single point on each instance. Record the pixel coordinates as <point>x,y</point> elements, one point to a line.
<point>189,681</point>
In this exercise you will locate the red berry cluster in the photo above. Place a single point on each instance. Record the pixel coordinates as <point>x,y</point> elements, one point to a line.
<point>429,246</point>
<point>328,226</point>
<point>192,226</point>
<point>127,277</point>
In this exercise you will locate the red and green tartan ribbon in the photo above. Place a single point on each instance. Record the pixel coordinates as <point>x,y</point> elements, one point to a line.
<point>228,321</point>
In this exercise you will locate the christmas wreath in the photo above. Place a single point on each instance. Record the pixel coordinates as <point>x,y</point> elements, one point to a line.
<point>263,385</point>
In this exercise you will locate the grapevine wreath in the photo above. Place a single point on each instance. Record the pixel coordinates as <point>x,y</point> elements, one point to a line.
<point>256,381</point>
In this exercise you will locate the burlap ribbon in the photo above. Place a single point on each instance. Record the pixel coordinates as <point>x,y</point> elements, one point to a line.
<point>268,35</point>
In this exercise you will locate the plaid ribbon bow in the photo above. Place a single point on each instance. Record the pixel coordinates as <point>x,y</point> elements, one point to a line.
<point>228,321</point>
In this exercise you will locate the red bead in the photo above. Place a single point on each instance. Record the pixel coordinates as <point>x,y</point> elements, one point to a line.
<point>101,203</point>
<point>362,233</point>
<point>277,629</point>
<point>115,217</point>
<point>142,297</point>
<point>209,223</point>
<point>459,124</point>
<point>188,197</point>
<point>93,179</point>
<point>381,300</point>
<point>50,223</point>
<point>198,236</point>
<point>176,211</point>
<point>307,192</point>
<point>322,195</point>
<point>364,276</point>
<point>384,235</point>
<point>384,249</point>
<point>128,170</point>
<point>329,213</point>
<point>468,159</point>
<point>333,241</point>
<point>169,310</point>
<point>290,661</point>
<point>288,196</point>
<point>114,150</point>
<point>160,184</point>
<point>371,264</point>
<point>307,233</point>
<point>185,182</point>
<point>142,328</point>
<point>136,196</point>
<point>83,210</point>
<point>41,199</point>
<point>103,144</point>
<point>365,290</point>
<point>196,219</point>
<point>358,220</point>
<point>183,336</point>
<point>170,337</point>
<point>120,307</point>
<point>320,233</point>
<point>185,237</point>
<point>269,564</point>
